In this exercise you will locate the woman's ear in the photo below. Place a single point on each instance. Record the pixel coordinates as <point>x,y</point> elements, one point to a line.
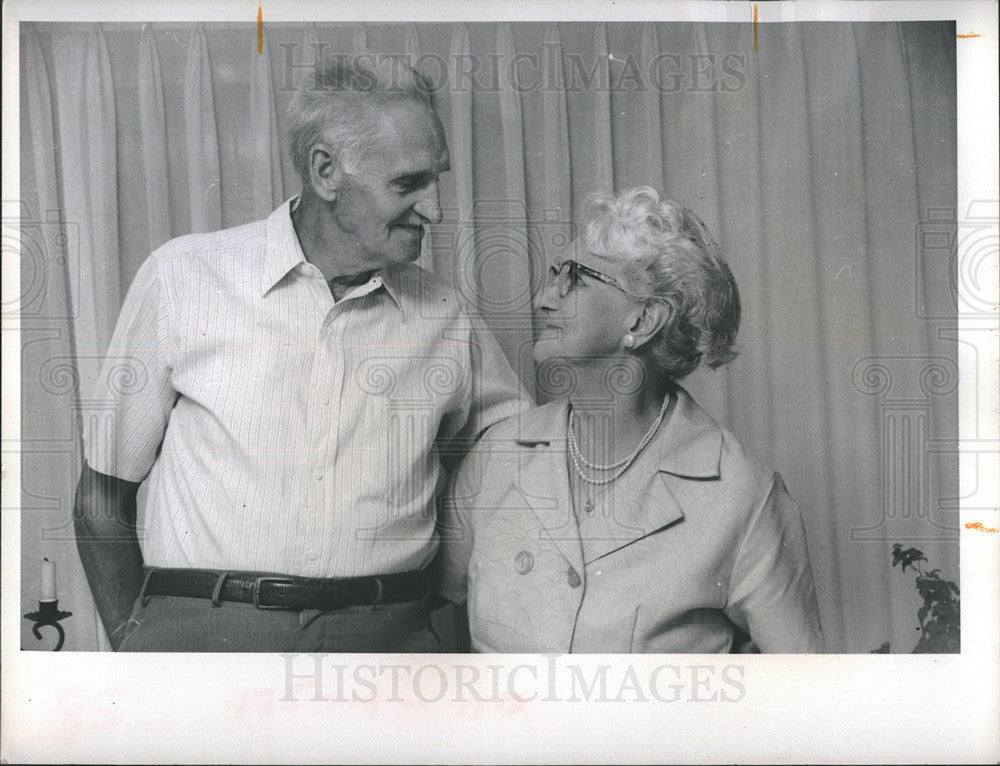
<point>655,315</point>
<point>325,172</point>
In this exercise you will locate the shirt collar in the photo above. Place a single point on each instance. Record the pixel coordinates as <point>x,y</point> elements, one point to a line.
<point>284,252</point>
<point>394,281</point>
<point>690,444</point>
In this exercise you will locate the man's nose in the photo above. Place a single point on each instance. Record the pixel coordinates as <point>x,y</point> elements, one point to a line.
<point>429,204</point>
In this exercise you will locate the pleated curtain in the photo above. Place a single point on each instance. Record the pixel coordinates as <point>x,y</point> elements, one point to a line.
<point>817,161</point>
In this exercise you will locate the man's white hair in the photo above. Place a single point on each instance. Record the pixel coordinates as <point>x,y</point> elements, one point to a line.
<point>338,106</point>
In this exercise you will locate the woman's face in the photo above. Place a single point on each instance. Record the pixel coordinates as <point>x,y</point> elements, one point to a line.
<point>581,317</point>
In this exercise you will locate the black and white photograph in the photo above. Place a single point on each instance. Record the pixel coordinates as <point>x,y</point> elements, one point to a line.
<point>440,383</point>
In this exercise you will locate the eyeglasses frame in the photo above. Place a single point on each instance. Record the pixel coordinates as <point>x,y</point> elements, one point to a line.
<point>579,268</point>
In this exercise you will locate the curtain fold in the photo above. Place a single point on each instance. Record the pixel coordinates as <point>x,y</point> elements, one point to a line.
<point>838,238</point>
<point>44,292</point>
<point>551,205</point>
<point>314,48</point>
<point>102,158</point>
<point>604,171</point>
<point>933,114</point>
<point>40,127</point>
<point>738,153</point>
<point>801,404</point>
<point>817,160</point>
<point>87,141</point>
<point>652,147</point>
<point>556,175</point>
<point>153,130</point>
<point>502,256</point>
<point>360,40</point>
<point>459,113</point>
<point>411,52</point>
<point>204,178</point>
<point>266,184</point>
<point>907,429</point>
<point>512,130</point>
<point>50,395</point>
<point>690,166</point>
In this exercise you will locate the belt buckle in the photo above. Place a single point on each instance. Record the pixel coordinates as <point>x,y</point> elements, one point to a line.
<point>256,590</point>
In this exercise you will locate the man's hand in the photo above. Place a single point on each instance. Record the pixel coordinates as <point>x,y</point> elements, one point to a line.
<point>104,516</point>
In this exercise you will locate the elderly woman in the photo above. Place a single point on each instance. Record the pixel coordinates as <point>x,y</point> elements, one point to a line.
<point>622,518</point>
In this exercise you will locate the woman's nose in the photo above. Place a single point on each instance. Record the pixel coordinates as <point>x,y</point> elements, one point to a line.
<point>549,298</point>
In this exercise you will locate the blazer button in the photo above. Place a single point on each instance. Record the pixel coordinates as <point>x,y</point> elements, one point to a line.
<point>523,562</point>
<point>573,578</point>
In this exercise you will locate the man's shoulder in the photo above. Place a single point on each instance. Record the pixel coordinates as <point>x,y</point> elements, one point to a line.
<point>420,287</point>
<point>211,244</point>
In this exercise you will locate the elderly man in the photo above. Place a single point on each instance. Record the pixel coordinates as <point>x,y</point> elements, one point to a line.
<point>304,389</point>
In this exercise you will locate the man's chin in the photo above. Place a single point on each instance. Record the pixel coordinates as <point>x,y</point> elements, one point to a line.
<point>405,252</point>
<point>410,257</point>
<point>400,257</point>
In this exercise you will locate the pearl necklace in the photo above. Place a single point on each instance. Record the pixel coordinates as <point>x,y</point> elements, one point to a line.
<point>579,461</point>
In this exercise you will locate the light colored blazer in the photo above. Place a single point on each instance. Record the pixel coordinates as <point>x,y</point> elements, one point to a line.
<point>706,550</point>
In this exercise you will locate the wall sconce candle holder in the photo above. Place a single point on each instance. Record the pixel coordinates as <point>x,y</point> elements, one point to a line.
<point>48,614</point>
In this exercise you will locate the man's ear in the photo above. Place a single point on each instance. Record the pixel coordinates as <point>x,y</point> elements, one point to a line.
<point>655,315</point>
<point>325,172</point>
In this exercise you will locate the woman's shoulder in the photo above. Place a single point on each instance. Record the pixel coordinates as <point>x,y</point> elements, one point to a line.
<point>543,423</point>
<point>501,451</point>
<point>740,459</point>
<point>736,466</point>
<point>739,467</point>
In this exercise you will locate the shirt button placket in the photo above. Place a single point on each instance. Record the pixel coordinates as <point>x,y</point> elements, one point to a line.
<point>334,385</point>
<point>328,394</point>
<point>319,426</point>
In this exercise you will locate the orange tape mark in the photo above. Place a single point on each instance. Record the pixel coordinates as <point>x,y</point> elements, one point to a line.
<point>966,37</point>
<point>980,527</point>
<point>260,29</point>
<point>755,28</point>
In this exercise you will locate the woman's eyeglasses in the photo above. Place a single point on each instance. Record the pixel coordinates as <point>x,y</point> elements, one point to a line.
<point>566,274</point>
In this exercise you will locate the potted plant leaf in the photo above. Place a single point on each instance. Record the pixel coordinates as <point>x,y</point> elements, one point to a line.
<point>940,616</point>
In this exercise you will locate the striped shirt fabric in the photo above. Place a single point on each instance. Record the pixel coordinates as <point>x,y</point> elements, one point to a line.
<point>279,430</point>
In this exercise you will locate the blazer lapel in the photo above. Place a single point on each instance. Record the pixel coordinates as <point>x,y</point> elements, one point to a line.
<point>688,447</point>
<point>543,479</point>
<point>650,509</point>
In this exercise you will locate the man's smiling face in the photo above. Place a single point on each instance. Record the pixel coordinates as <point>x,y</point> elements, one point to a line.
<point>384,203</point>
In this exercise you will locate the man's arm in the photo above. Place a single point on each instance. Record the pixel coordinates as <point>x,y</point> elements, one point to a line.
<point>494,394</point>
<point>134,396</point>
<point>104,516</point>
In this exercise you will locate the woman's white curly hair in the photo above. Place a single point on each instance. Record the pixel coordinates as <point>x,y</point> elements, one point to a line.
<point>670,257</point>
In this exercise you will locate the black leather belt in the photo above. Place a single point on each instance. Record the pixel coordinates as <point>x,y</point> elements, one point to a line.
<point>269,591</point>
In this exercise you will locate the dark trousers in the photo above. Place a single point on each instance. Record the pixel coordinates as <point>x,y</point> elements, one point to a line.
<point>178,624</point>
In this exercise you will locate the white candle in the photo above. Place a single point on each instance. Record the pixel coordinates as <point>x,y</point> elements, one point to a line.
<point>48,580</point>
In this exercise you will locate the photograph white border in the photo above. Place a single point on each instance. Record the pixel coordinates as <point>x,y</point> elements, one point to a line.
<point>90,707</point>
